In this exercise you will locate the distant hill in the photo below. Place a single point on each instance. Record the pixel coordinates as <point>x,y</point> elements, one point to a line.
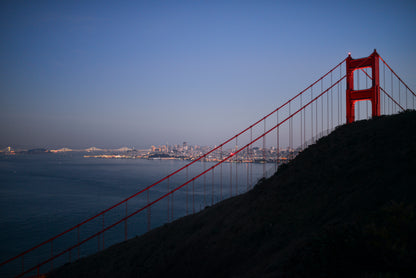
<point>345,207</point>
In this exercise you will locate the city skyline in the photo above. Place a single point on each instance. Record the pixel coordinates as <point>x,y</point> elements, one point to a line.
<point>105,74</point>
<point>151,148</point>
<point>253,154</point>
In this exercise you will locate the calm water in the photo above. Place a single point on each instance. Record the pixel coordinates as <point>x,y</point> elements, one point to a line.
<point>43,195</point>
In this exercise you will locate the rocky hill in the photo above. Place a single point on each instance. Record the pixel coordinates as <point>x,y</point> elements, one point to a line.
<point>345,207</point>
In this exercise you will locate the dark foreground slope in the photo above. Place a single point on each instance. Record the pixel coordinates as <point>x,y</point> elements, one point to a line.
<point>345,207</point>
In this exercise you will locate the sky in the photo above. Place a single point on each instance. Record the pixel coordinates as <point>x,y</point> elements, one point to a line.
<point>138,73</point>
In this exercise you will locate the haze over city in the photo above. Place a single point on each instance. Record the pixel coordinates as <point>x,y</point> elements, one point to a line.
<point>110,74</point>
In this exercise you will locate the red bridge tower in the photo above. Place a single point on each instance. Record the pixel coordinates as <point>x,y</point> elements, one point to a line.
<point>372,94</point>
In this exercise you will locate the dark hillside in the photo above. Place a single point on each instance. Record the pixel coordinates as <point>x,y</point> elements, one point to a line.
<point>345,207</point>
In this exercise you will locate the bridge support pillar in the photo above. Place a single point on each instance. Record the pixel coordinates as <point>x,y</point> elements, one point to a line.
<point>372,94</point>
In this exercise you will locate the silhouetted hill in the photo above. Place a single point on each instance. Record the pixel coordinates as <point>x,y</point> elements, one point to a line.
<point>345,207</point>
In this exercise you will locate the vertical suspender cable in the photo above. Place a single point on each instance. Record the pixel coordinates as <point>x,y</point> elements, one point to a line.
<point>322,108</point>
<point>331,126</point>
<point>205,178</point>
<point>311,114</point>
<point>247,172</point>
<point>212,188</point>
<point>236,165</point>
<point>406,96</point>
<point>392,91</point>
<point>264,150</point>
<point>358,103</point>
<point>187,188</point>
<point>301,124</point>
<point>366,86</point>
<point>277,140</point>
<point>304,128</point>
<point>316,118</point>
<point>327,106</point>
<point>231,176</point>
<point>399,93</point>
<point>339,98</point>
<point>251,158</point>
<point>221,174</point>
<point>384,87</point>
<point>290,134</point>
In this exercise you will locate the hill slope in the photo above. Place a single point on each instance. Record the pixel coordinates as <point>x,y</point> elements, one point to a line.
<point>344,207</point>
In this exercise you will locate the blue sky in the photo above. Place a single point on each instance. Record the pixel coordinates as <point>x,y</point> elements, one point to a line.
<point>120,73</point>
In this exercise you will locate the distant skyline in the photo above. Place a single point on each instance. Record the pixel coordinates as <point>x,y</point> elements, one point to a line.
<point>109,74</point>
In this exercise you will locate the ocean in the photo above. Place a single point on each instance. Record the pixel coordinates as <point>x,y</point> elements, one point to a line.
<point>42,195</point>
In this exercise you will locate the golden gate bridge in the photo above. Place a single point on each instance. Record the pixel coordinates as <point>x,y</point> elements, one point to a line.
<point>354,89</point>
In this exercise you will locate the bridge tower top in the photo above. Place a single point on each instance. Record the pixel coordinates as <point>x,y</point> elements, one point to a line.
<point>372,94</point>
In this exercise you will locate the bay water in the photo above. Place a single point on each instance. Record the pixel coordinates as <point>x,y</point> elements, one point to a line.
<point>42,195</point>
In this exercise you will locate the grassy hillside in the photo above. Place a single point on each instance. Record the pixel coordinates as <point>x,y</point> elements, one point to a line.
<point>345,207</point>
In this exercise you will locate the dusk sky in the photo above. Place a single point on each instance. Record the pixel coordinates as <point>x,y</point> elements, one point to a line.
<point>139,73</point>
